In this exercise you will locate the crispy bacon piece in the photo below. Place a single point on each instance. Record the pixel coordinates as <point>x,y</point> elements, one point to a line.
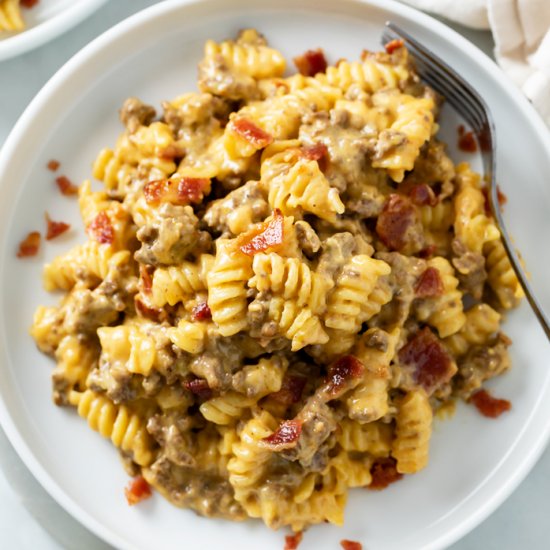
<point>466,140</point>
<point>54,229</point>
<point>394,45</point>
<point>314,152</point>
<point>318,152</point>
<point>147,311</point>
<point>53,165</point>
<point>427,252</point>
<point>394,220</point>
<point>180,191</point>
<point>431,362</point>
<point>423,195</point>
<point>30,245</point>
<point>351,545</point>
<point>293,541</point>
<point>248,131</point>
<point>145,276</point>
<point>137,490</point>
<point>29,3</point>
<point>429,284</point>
<point>285,436</point>
<point>66,186</point>
<point>266,235</point>
<point>311,62</point>
<point>343,371</point>
<point>383,472</point>
<point>101,229</point>
<point>199,387</point>
<point>201,312</point>
<point>291,390</point>
<point>488,405</point>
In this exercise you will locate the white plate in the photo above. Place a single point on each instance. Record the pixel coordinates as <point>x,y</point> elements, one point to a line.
<point>475,462</point>
<point>43,22</point>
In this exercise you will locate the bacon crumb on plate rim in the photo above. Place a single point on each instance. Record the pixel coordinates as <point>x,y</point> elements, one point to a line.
<point>30,245</point>
<point>137,490</point>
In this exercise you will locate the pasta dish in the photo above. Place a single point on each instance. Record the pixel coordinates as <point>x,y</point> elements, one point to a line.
<point>285,278</point>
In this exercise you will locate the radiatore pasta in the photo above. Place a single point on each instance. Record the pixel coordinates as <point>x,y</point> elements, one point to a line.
<point>285,277</point>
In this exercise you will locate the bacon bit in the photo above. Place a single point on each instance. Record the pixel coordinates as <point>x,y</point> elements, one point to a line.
<point>171,152</point>
<point>314,152</point>
<point>100,229</point>
<point>466,140</point>
<point>383,472</point>
<point>501,197</point>
<point>490,406</point>
<point>267,235</point>
<point>341,372</point>
<point>423,195</point>
<point>351,545</point>
<point>147,311</point>
<point>431,362</point>
<point>145,276</point>
<point>318,152</point>
<point>54,229</point>
<point>53,165</point>
<point>394,220</point>
<point>180,191</point>
<point>251,133</point>
<point>29,3</point>
<point>293,541</point>
<point>291,390</point>
<point>201,312</point>
<point>311,62</point>
<point>199,387</point>
<point>427,252</point>
<point>66,186</point>
<point>30,245</point>
<point>429,284</point>
<point>484,139</point>
<point>137,490</point>
<point>285,436</point>
<point>394,45</point>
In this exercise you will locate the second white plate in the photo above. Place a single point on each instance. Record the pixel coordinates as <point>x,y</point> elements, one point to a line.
<point>45,21</point>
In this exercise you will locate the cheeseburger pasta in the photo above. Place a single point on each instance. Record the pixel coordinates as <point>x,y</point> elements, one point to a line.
<point>270,305</point>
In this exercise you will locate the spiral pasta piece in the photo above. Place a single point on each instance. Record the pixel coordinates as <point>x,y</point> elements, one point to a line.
<point>247,55</point>
<point>304,188</point>
<point>179,283</point>
<point>482,321</point>
<point>226,283</point>
<point>501,276</point>
<point>291,279</point>
<point>412,433</point>
<point>117,423</point>
<point>444,312</point>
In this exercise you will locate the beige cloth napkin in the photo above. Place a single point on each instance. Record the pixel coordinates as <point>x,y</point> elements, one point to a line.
<point>521,29</point>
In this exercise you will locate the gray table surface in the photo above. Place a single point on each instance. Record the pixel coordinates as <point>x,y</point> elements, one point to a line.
<point>30,519</point>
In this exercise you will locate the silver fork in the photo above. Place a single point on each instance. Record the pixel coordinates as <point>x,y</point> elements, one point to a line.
<point>471,106</point>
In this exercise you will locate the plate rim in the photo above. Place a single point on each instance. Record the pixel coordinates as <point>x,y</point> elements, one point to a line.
<point>32,38</point>
<point>96,47</point>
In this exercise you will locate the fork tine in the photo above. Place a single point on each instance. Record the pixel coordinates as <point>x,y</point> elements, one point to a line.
<point>465,107</point>
<point>442,82</point>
